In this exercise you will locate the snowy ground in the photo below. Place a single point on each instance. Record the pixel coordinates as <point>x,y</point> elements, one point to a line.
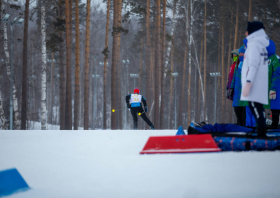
<point>105,164</point>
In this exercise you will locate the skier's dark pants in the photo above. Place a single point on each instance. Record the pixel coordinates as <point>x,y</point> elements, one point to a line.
<point>258,111</point>
<point>240,113</point>
<point>134,112</point>
<point>275,118</point>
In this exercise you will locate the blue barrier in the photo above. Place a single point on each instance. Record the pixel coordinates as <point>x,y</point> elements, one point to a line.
<point>11,181</point>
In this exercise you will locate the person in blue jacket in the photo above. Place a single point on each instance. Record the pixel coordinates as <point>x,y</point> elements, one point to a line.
<point>274,68</point>
<point>235,91</point>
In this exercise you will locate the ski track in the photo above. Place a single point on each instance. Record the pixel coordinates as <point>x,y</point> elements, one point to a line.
<point>108,164</point>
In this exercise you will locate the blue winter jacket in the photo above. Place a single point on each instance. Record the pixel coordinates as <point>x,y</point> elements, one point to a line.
<point>275,84</point>
<point>237,86</point>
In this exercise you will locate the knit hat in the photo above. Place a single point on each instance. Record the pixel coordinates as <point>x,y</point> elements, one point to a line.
<point>271,49</point>
<point>234,52</point>
<point>254,26</point>
<point>136,90</point>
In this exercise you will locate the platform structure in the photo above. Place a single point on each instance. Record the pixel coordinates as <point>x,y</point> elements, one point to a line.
<point>180,144</point>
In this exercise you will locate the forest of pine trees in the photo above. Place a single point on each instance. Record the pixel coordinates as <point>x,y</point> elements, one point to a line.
<point>64,46</point>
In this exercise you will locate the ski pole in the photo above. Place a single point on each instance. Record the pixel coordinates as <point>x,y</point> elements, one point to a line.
<point>113,110</point>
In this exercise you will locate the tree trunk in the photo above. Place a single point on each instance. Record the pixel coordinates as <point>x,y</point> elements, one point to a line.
<point>273,34</point>
<point>182,104</point>
<point>140,66</point>
<point>120,98</point>
<point>205,70</point>
<point>173,25</point>
<point>223,76</point>
<point>44,68</point>
<point>86,91</point>
<point>195,92</point>
<point>171,86</point>
<point>250,17</point>
<point>68,109</point>
<point>157,65</point>
<point>170,53</point>
<point>51,101</point>
<point>8,68</point>
<point>105,68</point>
<point>228,102</point>
<point>2,113</point>
<point>162,103</point>
<point>199,86</point>
<point>236,25</point>
<point>62,84</point>
<point>190,62</point>
<point>152,76</point>
<point>119,70</point>
<point>24,69</point>
<point>77,67</point>
<point>115,61</point>
<point>218,107</point>
<point>148,58</point>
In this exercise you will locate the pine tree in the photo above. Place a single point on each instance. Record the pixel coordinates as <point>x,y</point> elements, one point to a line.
<point>162,105</point>
<point>148,57</point>
<point>105,68</point>
<point>77,67</point>
<point>24,69</point>
<point>68,109</point>
<point>205,59</point>
<point>86,92</point>
<point>44,68</point>
<point>115,61</point>
<point>62,83</point>
<point>157,65</point>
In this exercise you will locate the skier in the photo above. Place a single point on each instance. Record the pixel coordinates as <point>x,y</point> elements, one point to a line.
<point>255,73</point>
<point>134,103</point>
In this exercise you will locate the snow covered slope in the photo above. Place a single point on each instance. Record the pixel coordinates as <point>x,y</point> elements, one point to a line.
<point>105,164</point>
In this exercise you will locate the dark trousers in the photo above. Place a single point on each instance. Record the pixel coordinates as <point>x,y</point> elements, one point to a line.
<point>240,113</point>
<point>258,111</point>
<point>275,118</point>
<point>134,112</point>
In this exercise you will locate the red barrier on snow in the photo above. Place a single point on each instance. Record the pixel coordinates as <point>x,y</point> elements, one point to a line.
<point>180,144</point>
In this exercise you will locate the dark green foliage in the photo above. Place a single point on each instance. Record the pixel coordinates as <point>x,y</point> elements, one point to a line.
<point>135,9</point>
<point>53,42</point>
<point>59,25</point>
<point>16,7</point>
<point>119,30</point>
<point>105,52</point>
<point>168,38</point>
